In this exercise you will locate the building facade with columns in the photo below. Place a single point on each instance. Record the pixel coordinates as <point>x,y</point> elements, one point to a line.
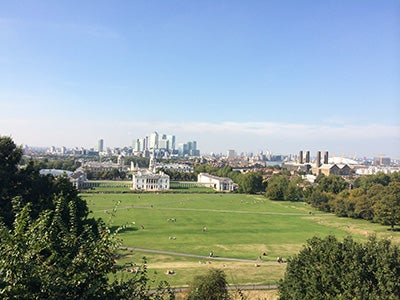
<point>149,179</point>
<point>217,183</point>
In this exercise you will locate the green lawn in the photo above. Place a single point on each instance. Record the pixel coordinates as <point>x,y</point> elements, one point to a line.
<point>125,186</point>
<point>238,226</point>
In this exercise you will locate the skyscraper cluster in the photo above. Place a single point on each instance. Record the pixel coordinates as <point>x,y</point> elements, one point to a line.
<point>154,141</point>
<point>164,144</point>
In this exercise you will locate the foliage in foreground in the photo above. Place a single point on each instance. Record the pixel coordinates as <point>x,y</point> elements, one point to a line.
<point>49,248</point>
<point>330,269</point>
<point>47,258</point>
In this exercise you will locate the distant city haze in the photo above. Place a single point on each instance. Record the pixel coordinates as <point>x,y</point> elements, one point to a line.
<point>250,76</point>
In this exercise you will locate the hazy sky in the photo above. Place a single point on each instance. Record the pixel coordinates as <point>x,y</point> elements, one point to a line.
<point>246,75</point>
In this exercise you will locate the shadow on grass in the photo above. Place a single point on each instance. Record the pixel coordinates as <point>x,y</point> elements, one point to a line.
<point>394,229</point>
<point>123,229</point>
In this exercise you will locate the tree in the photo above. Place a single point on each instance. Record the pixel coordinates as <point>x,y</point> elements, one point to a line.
<point>31,187</point>
<point>331,184</point>
<point>49,248</point>
<point>224,172</point>
<point>276,187</point>
<point>293,191</point>
<point>330,269</point>
<point>320,200</point>
<point>363,207</point>
<point>49,258</point>
<point>211,286</point>
<point>367,181</point>
<point>250,183</point>
<point>205,169</point>
<point>387,209</point>
<point>10,155</point>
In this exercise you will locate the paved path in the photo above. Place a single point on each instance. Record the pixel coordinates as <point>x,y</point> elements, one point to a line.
<point>199,256</point>
<point>236,287</point>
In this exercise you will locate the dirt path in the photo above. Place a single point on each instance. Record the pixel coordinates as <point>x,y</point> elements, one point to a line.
<point>199,256</point>
<point>217,211</point>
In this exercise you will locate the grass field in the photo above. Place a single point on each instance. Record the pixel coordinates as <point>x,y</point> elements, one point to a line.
<point>109,186</point>
<point>238,226</point>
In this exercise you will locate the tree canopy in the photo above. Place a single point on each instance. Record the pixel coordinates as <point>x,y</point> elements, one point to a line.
<point>50,248</point>
<point>212,285</point>
<point>251,183</point>
<point>387,208</point>
<point>31,187</point>
<point>330,269</point>
<point>276,187</point>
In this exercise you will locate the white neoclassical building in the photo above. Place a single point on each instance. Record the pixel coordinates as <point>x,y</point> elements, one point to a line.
<point>149,181</point>
<point>215,182</point>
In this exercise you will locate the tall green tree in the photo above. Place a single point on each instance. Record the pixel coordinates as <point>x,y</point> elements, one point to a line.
<point>10,155</point>
<point>251,183</point>
<point>50,258</point>
<point>321,200</point>
<point>387,208</point>
<point>49,247</point>
<point>367,181</point>
<point>331,269</point>
<point>331,184</point>
<point>276,187</point>
<point>31,187</point>
<point>205,169</point>
<point>293,191</point>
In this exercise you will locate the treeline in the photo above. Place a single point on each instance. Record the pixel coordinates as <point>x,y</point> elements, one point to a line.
<point>281,187</point>
<point>371,197</point>
<point>248,183</point>
<point>180,176</point>
<point>113,174</point>
<point>68,164</point>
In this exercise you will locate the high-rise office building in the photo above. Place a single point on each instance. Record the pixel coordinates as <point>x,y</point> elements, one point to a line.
<point>136,145</point>
<point>163,144</point>
<point>231,154</point>
<point>171,142</point>
<point>183,149</point>
<point>100,145</point>
<point>153,140</point>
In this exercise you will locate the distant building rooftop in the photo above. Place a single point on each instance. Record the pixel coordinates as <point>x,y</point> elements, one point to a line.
<point>55,172</point>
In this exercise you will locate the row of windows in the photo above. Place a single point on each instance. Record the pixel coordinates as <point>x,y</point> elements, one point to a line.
<point>147,180</point>
<point>152,187</point>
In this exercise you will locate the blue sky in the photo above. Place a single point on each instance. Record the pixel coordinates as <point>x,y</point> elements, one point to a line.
<point>246,75</point>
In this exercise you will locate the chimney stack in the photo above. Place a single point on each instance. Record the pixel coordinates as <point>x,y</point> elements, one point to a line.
<point>307,157</point>
<point>318,160</point>
<point>301,157</point>
<point>326,155</point>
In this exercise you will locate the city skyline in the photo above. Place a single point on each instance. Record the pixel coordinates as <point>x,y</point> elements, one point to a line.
<point>249,76</point>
